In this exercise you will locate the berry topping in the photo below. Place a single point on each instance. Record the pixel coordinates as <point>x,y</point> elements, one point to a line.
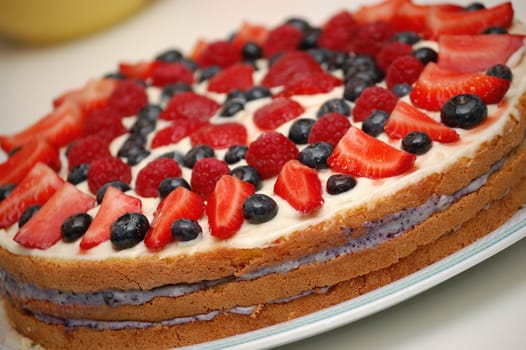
<point>232,106</point>
<point>5,190</point>
<point>283,38</point>
<point>425,55</point>
<point>249,33</point>
<point>374,97</point>
<point>402,89</point>
<point>381,11</point>
<point>362,67</point>
<point>248,174</point>
<point>150,177</point>
<point>392,51</point>
<point>78,174</point>
<point>28,214</point>
<point>258,92</point>
<point>464,111</point>
<point>259,208</point>
<point>237,76</point>
<point>107,169</point>
<point>87,149</point>
<point>114,205</point>
<point>316,154</point>
<point>121,186</point>
<point>170,55</point>
<point>300,186</point>
<point>171,90</point>
<point>235,153</point>
<point>170,73</point>
<point>500,71</point>
<point>128,230</point>
<point>269,152</point>
<point>220,136</point>
<point>436,85</point>
<point>43,229</point>
<point>218,53</point>
<point>405,119</point>
<point>185,230</point>
<point>141,70</point>
<point>310,84</point>
<point>277,112</point>
<point>289,65</point>
<point>416,142</point>
<point>330,128</point>
<point>75,227</point>
<point>196,153</point>
<point>339,183</point>
<point>206,173</point>
<point>358,154</point>
<point>225,206</point>
<point>374,124</point>
<point>189,105</point>
<point>128,98</point>
<point>404,69</point>
<point>181,203</point>
<point>495,30</point>
<point>300,129</point>
<point>176,131</point>
<point>406,37</point>
<point>355,86</point>
<point>338,32</point>
<point>413,17</point>
<point>171,183</point>
<point>371,37</point>
<point>105,123</point>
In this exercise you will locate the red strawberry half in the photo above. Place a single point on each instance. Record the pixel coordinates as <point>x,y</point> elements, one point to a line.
<point>289,65</point>
<point>277,112</point>
<point>436,85</point>
<point>249,32</point>
<point>220,136</point>
<point>405,119</point>
<point>225,206</point>
<point>177,131</point>
<point>189,105</point>
<point>43,229</point>
<point>361,155</point>
<point>237,76</point>
<point>413,17</point>
<point>181,203</point>
<point>382,11</point>
<point>300,186</point>
<point>310,84</point>
<point>141,70</point>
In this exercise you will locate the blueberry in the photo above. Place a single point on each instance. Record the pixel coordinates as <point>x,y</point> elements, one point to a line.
<point>172,55</point>
<point>251,51</point>
<point>495,30</point>
<point>337,60</point>
<point>300,129</point>
<point>257,92</point>
<point>169,184</point>
<point>320,55</point>
<point>465,111</point>
<point>300,23</point>
<point>309,39</point>
<point>150,112</point>
<point>474,6</point>
<point>28,214</point>
<point>75,226</point>
<point>195,153</point>
<point>362,66</point>
<point>5,190</point>
<point>406,37</point>
<point>248,174</point>
<point>121,186</point>
<point>339,183</point>
<point>259,208</point>
<point>184,230</point>
<point>143,126</point>
<point>401,89</point>
<point>208,72</point>
<point>128,230</point>
<point>236,94</point>
<point>175,155</point>
<point>131,144</point>
<point>231,107</point>
<point>137,156</point>
<point>335,105</point>
<point>354,87</point>
<point>78,174</point>
<point>500,71</point>
<point>425,55</point>
<point>274,58</point>
<point>416,142</point>
<point>115,76</point>
<point>375,122</point>
<point>171,90</point>
<point>189,63</point>
<point>235,153</point>
<point>316,154</point>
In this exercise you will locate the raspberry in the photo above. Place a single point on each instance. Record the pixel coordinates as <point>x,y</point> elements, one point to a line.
<point>269,152</point>
<point>168,73</point>
<point>338,32</point>
<point>289,65</point>
<point>220,136</point>
<point>371,37</point>
<point>373,97</point>
<point>149,178</point>
<point>206,173</point>
<point>87,149</point>
<point>128,98</point>
<point>106,123</point>
<point>238,76</point>
<point>329,128</point>
<point>277,112</point>
<point>390,52</point>
<point>404,69</point>
<point>189,105</point>
<point>283,38</point>
<point>104,170</point>
<point>310,84</point>
<point>218,53</point>
<point>175,132</point>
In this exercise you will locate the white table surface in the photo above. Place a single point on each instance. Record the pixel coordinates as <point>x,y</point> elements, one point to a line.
<point>483,308</point>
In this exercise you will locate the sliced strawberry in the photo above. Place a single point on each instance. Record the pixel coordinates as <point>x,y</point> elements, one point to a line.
<point>141,70</point>
<point>472,53</point>
<point>383,11</point>
<point>16,167</point>
<point>189,105</point>
<point>165,73</point>
<point>181,203</point>
<point>217,53</point>
<point>300,186</point>
<point>310,84</point>
<point>59,128</point>
<point>289,65</point>
<point>284,38</point>
<point>436,85</point>
<point>405,119</point>
<point>277,112</point>
<point>358,154</point>
<point>237,76</point>
<point>114,204</point>
<point>176,131</point>
<point>220,136</point>
<point>412,17</point>
<point>249,32</point>
<point>441,22</point>
<point>225,206</point>
<point>35,188</point>
<point>43,229</point>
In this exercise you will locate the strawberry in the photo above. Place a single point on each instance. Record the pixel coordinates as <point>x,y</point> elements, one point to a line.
<point>59,128</point>
<point>310,84</point>
<point>114,204</point>
<point>412,17</point>
<point>189,105</point>
<point>405,119</point>
<point>217,53</point>
<point>141,70</point>
<point>358,154</point>
<point>165,73</point>
<point>300,186</point>
<point>43,229</point>
<point>441,22</point>
<point>289,65</point>
<point>237,76</point>
<point>176,131</point>
<point>284,38</point>
<point>249,32</point>
<point>338,32</point>
<point>277,112</point>
<point>436,85</point>
<point>35,188</point>
<point>472,53</point>
<point>20,163</point>
<point>383,11</point>
<point>225,206</point>
<point>220,136</point>
<point>181,203</point>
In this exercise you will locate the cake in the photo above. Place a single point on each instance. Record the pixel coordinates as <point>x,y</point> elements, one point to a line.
<point>338,159</point>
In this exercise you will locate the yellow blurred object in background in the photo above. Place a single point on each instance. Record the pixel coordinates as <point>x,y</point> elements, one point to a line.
<point>51,21</point>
